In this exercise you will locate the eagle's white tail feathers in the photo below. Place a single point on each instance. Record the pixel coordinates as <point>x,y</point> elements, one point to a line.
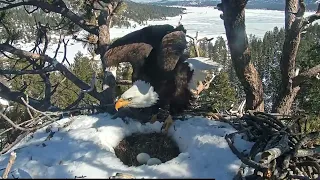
<point>201,67</point>
<point>202,63</point>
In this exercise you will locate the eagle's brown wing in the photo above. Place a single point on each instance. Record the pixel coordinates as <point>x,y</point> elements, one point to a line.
<point>172,48</point>
<point>135,47</point>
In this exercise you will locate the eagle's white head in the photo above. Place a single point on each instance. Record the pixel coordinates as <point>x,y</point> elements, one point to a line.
<point>140,95</point>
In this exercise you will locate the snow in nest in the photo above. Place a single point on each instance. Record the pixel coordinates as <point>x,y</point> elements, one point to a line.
<point>4,102</point>
<point>85,148</point>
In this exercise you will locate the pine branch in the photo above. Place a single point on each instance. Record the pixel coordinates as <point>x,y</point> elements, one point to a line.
<point>63,10</point>
<point>6,93</point>
<point>22,72</point>
<point>59,66</point>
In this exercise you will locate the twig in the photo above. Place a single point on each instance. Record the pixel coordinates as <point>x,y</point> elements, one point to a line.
<point>12,123</point>
<point>4,150</point>
<point>13,156</point>
<point>282,154</point>
<point>242,158</point>
<point>122,176</point>
<point>28,109</point>
<point>45,114</point>
<point>25,122</point>
<point>273,153</point>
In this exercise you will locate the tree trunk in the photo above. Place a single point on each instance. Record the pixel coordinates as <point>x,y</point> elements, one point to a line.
<point>288,92</point>
<point>109,81</point>
<point>234,22</point>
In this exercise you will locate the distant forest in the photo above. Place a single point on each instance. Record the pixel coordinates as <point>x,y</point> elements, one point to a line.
<point>141,13</point>
<point>257,4</point>
<point>276,6</point>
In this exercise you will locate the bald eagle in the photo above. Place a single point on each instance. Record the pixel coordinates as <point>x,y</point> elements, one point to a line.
<point>163,76</point>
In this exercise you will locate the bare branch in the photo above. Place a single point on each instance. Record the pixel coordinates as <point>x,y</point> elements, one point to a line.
<point>23,123</point>
<point>63,10</point>
<point>32,11</point>
<point>13,157</point>
<point>273,153</point>
<point>310,19</point>
<point>4,150</point>
<point>55,87</point>
<point>241,157</point>
<point>195,42</point>
<point>6,93</point>
<point>189,37</point>
<point>312,72</point>
<point>21,72</point>
<point>59,44</point>
<point>205,39</point>
<point>179,23</point>
<point>92,84</point>
<point>7,56</point>
<point>65,52</point>
<point>28,109</point>
<point>82,92</point>
<point>124,82</point>
<point>20,53</point>
<point>59,66</point>
<point>76,102</point>
<point>47,90</point>
<point>35,110</point>
<point>7,2</point>
<point>12,123</point>
<point>83,40</point>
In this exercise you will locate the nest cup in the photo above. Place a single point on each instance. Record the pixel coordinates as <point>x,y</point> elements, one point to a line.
<point>157,145</point>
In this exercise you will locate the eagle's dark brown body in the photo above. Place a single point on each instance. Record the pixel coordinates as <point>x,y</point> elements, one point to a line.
<point>156,55</point>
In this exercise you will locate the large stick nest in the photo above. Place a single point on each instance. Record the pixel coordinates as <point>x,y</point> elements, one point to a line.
<point>157,145</point>
<point>282,150</point>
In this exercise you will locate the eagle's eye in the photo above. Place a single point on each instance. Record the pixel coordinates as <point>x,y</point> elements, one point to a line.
<point>129,99</point>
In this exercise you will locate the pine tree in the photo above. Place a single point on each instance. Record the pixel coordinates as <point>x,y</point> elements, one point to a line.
<point>221,94</point>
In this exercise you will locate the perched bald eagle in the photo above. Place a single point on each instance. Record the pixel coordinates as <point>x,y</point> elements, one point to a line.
<point>163,76</point>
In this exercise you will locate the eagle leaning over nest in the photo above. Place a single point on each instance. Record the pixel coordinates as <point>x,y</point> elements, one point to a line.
<point>163,77</point>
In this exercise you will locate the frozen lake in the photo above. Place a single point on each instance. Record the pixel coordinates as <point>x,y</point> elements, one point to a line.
<point>207,21</point>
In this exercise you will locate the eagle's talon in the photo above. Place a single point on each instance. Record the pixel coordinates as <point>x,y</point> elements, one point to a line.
<point>167,124</point>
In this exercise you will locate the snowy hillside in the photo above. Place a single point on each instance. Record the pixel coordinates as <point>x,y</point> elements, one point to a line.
<point>86,148</point>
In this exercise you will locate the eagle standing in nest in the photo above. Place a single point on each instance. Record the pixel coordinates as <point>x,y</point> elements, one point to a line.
<point>163,77</point>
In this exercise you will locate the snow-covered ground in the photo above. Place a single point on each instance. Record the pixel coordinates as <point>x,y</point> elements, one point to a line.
<point>86,148</point>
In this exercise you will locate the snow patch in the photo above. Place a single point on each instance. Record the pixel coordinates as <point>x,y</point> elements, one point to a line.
<point>85,148</point>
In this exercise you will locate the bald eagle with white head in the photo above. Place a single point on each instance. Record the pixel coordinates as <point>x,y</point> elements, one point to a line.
<point>163,76</point>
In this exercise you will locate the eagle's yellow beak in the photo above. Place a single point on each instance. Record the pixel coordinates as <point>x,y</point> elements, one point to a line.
<point>121,103</point>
